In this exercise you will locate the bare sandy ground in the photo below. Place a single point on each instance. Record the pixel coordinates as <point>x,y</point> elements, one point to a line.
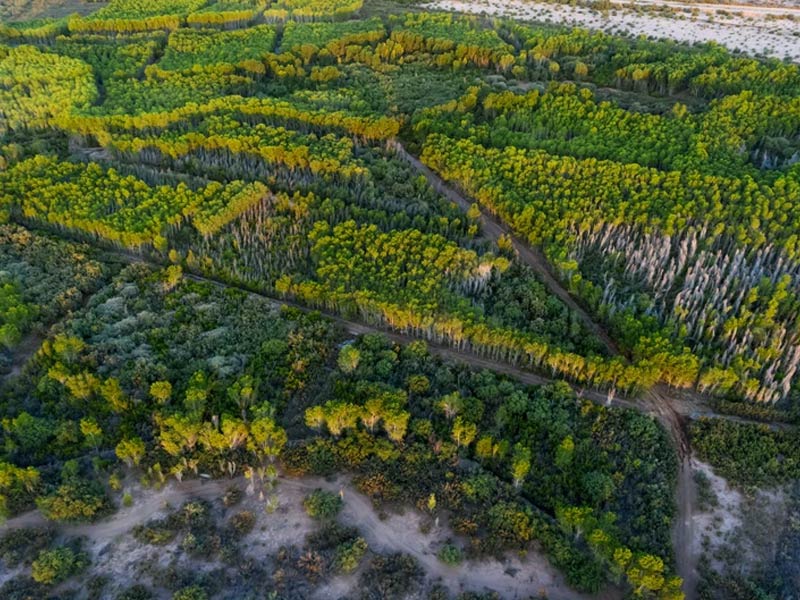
<point>718,523</point>
<point>751,33</point>
<point>115,552</point>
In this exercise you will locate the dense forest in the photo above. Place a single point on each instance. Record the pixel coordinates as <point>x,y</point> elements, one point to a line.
<point>171,171</point>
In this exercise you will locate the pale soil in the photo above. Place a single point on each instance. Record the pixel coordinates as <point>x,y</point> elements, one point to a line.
<point>116,553</point>
<point>751,34</point>
<point>25,10</point>
<point>718,523</point>
<point>741,532</point>
<point>22,353</point>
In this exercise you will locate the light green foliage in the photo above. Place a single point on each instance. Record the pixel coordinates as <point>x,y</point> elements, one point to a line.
<point>450,554</point>
<point>348,358</point>
<point>322,505</point>
<point>348,555</point>
<point>36,88</point>
<point>54,566</point>
<point>188,48</point>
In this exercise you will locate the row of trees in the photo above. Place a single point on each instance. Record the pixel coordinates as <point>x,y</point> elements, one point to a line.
<point>119,57</point>
<point>312,10</point>
<point>221,140</point>
<point>461,39</point>
<point>734,137</point>
<point>661,67</point>
<point>227,14</point>
<point>119,208</point>
<point>189,48</point>
<point>128,16</point>
<point>310,40</point>
<point>736,305</point>
<point>271,111</point>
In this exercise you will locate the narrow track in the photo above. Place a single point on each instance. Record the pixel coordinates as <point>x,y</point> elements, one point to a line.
<point>492,228</point>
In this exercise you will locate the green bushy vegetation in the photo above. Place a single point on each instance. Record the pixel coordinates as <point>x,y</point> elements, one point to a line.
<point>261,145</point>
<point>748,454</point>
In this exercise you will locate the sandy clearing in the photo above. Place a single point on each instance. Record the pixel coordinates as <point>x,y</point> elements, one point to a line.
<point>719,522</point>
<point>776,38</point>
<point>115,552</point>
<point>746,9</point>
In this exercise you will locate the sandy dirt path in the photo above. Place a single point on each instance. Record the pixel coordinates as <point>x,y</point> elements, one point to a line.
<point>513,577</point>
<point>492,228</point>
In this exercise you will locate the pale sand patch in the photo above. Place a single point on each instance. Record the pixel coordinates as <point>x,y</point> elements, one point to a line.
<point>116,553</point>
<point>753,35</point>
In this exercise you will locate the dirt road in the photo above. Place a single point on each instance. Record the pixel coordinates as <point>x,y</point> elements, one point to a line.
<point>493,229</point>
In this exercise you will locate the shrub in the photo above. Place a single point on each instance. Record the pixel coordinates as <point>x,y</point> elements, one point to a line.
<point>21,546</point>
<point>450,554</point>
<point>242,523</point>
<point>322,505</point>
<point>54,566</point>
<point>233,495</point>
<point>349,554</point>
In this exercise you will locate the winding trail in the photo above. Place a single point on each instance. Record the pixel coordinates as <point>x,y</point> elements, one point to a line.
<point>512,578</point>
<point>493,229</point>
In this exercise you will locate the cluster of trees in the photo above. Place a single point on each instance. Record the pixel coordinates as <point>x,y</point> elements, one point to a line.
<point>746,454</point>
<point>457,41</point>
<point>35,551</point>
<point>583,195</point>
<point>16,315</point>
<point>517,300</point>
<point>312,10</point>
<point>272,239</point>
<point>191,385</point>
<point>323,40</point>
<point>408,267</point>
<point>445,414</point>
<point>227,14</point>
<point>645,573</point>
<point>120,57</point>
<point>271,111</point>
<point>739,307</point>
<point>683,279</point>
<point>119,208</point>
<point>129,16</point>
<point>35,31</point>
<point>222,141</point>
<point>190,48</point>
<point>735,136</point>
<point>42,280</point>
<point>661,67</point>
<point>161,93</point>
<point>36,87</point>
